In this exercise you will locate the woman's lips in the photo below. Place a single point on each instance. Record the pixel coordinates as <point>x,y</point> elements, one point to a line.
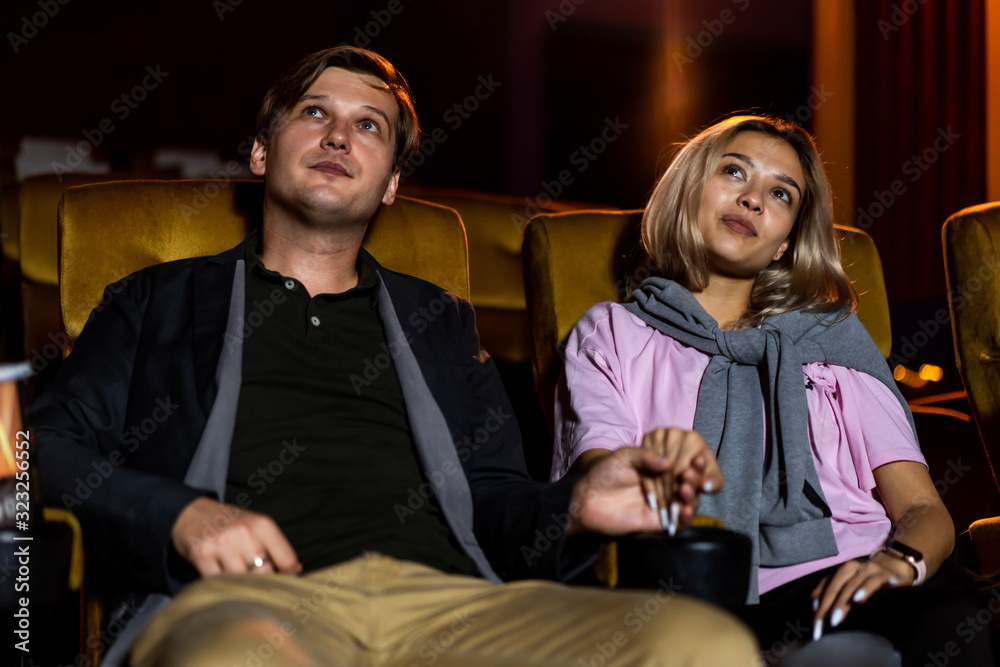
<point>739,224</point>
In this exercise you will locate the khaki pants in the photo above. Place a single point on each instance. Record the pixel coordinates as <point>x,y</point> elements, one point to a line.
<point>376,610</point>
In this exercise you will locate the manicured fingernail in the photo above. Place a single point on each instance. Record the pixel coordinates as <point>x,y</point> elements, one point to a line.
<point>664,519</point>
<point>817,630</point>
<point>893,581</point>
<point>651,499</point>
<point>860,595</point>
<point>836,617</point>
<point>815,604</point>
<point>708,486</point>
<point>675,516</point>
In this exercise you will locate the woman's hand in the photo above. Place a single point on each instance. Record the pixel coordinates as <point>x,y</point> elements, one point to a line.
<point>920,520</point>
<point>613,496</point>
<point>853,583</point>
<point>673,494</point>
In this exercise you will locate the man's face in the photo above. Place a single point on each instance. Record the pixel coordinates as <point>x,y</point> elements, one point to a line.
<point>331,155</point>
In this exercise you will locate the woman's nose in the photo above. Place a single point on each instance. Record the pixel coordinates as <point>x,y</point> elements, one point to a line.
<point>751,199</point>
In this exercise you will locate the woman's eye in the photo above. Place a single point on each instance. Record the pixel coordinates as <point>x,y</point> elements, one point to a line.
<point>368,125</point>
<point>733,170</point>
<point>783,195</point>
<point>312,111</point>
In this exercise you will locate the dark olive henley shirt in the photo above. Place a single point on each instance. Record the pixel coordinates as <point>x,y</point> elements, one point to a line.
<point>328,456</point>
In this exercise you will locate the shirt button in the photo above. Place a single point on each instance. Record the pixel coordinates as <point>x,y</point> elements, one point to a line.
<point>290,284</point>
<point>314,320</point>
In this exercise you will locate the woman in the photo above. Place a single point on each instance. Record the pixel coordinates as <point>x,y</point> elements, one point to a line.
<point>750,340</point>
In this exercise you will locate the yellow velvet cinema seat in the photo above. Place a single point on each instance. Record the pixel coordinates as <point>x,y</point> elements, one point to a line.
<point>109,230</point>
<point>495,224</point>
<point>36,227</point>
<point>971,239</point>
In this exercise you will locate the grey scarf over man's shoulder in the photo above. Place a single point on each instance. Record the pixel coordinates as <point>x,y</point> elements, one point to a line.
<point>772,492</point>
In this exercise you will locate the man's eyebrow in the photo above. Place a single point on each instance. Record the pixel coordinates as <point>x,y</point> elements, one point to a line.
<point>367,107</point>
<point>784,178</point>
<point>383,115</point>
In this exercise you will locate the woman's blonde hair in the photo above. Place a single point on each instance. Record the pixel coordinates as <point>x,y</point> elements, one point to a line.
<point>808,275</point>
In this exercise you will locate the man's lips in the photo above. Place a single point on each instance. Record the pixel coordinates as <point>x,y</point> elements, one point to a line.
<point>333,168</point>
<point>739,224</point>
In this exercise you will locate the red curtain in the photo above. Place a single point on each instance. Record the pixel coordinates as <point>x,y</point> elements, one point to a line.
<point>920,152</point>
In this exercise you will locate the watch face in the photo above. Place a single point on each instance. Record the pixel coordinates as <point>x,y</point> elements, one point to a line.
<point>905,550</point>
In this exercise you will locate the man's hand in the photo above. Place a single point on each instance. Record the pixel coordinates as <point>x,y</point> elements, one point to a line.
<point>613,497</point>
<point>220,538</point>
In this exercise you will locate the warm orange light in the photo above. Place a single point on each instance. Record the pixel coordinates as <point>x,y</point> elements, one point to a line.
<point>10,424</point>
<point>910,378</point>
<point>10,414</point>
<point>930,373</point>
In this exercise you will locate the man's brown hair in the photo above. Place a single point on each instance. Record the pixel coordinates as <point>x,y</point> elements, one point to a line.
<point>289,88</point>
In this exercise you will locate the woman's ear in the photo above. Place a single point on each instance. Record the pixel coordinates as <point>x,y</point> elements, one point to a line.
<point>781,249</point>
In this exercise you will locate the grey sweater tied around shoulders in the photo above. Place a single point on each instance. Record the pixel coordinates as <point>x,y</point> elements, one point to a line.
<point>772,492</point>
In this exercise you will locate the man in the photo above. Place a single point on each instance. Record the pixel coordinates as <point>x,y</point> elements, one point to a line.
<point>326,568</point>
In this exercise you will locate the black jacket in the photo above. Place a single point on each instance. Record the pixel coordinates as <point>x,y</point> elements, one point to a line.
<point>116,431</point>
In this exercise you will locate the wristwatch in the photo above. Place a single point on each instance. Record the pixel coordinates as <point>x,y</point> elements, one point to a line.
<point>910,555</point>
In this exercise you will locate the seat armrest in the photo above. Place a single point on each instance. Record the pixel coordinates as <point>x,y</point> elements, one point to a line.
<point>985,535</point>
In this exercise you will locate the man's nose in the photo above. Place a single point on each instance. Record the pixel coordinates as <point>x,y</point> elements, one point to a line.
<point>337,135</point>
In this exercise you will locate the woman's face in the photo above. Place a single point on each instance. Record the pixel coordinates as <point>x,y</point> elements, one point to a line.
<point>749,204</point>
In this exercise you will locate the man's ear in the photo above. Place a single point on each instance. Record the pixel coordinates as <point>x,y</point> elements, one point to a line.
<point>390,189</point>
<point>258,157</point>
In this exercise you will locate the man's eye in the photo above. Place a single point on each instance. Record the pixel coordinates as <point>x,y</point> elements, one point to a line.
<point>312,111</point>
<point>368,125</point>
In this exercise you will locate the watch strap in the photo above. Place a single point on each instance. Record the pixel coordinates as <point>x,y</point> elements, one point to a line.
<point>911,556</point>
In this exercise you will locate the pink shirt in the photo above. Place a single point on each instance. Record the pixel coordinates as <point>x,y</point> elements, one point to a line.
<point>622,379</point>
